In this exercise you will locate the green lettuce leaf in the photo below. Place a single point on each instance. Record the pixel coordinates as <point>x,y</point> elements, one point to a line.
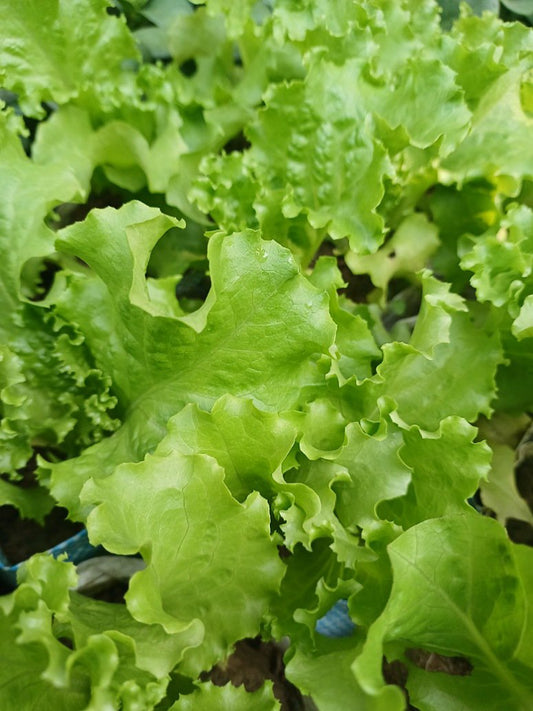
<point>157,130</point>
<point>182,518</point>
<point>458,590</point>
<point>499,492</point>
<point>51,393</point>
<point>523,323</point>
<point>236,14</point>
<point>56,51</point>
<point>326,675</point>
<point>515,376</point>
<point>502,261</point>
<point>377,472</point>
<point>450,9</point>
<point>30,661</point>
<point>31,503</point>
<point>447,468</point>
<point>313,581</point>
<point>296,20</point>
<point>341,156</point>
<point>406,253</point>
<point>152,650</point>
<point>500,126</point>
<point>356,348</point>
<point>248,443</point>
<point>421,376</point>
<point>128,158</point>
<point>353,136</point>
<point>482,49</point>
<point>64,651</point>
<point>158,363</point>
<point>24,233</point>
<point>469,209</point>
<point>209,697</point>
<point>306,502</point>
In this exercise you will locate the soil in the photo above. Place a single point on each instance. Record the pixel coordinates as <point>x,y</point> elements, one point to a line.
<point>110,592</point>
<point>254,661</point>
<point>358,286</point>
<point>68,213</point>
<point>524,466</point>
<point>20,538</point>
<point>432,662</point>
<point>396,672</point>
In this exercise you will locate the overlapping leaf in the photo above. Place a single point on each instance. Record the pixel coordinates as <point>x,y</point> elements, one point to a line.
<point>211,698</point>
<point>502,262</point>
<point>421,376</point>
<point>24,232</point>
<point>158,363</point>
<point>499,123</point>
<point>182,518</point>
<point>460,589</point>
<point>45,54</point>
<point>327,676</point>
<point>447,468</point>
<point>275,411</point>
<point>353,133</point>
<point>81,654</point>
<point>249,444</point>
<point>51,394</point>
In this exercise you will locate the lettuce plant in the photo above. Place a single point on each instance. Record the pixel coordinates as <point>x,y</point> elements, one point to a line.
<point>267,319</point>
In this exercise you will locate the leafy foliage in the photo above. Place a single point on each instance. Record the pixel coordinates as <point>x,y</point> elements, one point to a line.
<point>267,297</point>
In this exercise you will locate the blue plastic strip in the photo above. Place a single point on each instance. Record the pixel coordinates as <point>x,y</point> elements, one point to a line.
<point>336,622</point>
<point>76,547</point>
